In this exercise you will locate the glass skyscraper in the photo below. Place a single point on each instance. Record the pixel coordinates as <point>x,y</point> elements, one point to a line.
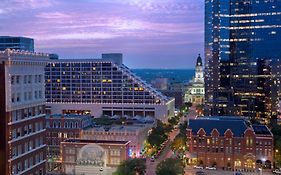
<point>242,51</point>
<point>17,43</point>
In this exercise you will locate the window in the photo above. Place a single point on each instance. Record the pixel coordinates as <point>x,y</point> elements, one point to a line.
<point>18,79</point>
<point>18,97</point>
<point>13,79</point>
<point>29,79</point>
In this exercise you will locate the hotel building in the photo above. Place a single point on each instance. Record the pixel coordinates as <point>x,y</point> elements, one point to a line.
<point>229,143</point>
<point>242,52</point>
<point>102,87</point>
<point>22,104</point>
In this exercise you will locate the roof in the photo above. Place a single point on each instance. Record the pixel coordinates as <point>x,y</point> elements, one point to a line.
<point>97,141</point>
<point>68,116</point>
<point>236,125</point>
<point>261,130</point>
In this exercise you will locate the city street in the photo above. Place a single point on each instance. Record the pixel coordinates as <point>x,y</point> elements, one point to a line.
<point>166,153</point>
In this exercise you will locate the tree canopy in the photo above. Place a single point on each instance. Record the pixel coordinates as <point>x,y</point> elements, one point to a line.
<point>131,167</point>
<point>170,166</point>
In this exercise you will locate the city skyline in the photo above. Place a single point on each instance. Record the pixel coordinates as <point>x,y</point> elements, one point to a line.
<point>145,32</point>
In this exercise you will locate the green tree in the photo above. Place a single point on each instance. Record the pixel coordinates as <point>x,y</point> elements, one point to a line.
<point>276,131</point>
<point>158,134</point>
<point>170,166</point>
<point>131,167</point>
<point>179,144</point>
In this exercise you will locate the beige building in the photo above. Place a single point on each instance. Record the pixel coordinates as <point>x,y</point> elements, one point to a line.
<point>195,90</point>
<point>136,134</point>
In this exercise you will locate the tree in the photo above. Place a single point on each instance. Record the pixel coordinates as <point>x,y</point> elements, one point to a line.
<point>170,166</point>
<point>131,167</point>
<point>158,135</point>
<point>276,131</point>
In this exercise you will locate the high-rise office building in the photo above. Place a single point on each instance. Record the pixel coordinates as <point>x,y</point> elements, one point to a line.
<point>242,51</point>
<point>17,43</point>
<point>22,104</point>
<point>102,87</point>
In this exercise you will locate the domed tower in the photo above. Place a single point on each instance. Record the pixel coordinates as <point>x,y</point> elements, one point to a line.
<point>199,77</point>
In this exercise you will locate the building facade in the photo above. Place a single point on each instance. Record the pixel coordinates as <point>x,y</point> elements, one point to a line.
<point>92,156</point>
<point>22,104</point>
<point>136,134</point>
<point>242,39</point>
<point>230,143</point>
<point>17,43</point>
<point>195,89</point>
<point>60,128</point>
<point>102,87</point>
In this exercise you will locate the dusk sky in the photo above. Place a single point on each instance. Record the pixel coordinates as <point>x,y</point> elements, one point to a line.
<point>150,33</point>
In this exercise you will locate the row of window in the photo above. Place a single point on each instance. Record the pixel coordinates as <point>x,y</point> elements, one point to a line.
<point>26,147</point>
<point>22,114</point>
<point>216,141</point>
<point>28,96</point>
<point>28,163</point>
<point>27,130</point>
<point>27,79</point>
<point>230,150</point>
<point>58,124</point>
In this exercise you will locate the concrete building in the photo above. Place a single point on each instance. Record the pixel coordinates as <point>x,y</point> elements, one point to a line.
<point>91,157</point>
<point>17,43</point>
<point>195,90</point>
<point>22,104</point>
<point>136,134</point>
<point>229,143</point>
<point>102,87</point>
<point>60,128</point>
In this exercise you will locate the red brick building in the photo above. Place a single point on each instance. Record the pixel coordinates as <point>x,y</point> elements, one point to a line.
<point>229,143</point>
<point>59,128</point>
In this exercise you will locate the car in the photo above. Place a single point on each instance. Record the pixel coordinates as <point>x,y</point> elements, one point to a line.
<point>101,169</point>
<point>277,171</point>
<point>211,168</point>
<point>237,173</point>
<point>152,159</point>
<point>200,173</point>
<point>198,167</point>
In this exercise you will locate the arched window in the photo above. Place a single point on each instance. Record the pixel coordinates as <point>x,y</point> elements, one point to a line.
<point>76,124</point>
<point>59,125</point>
<point>71,125</point>
<point>54,124</point>
<point>66,124</point>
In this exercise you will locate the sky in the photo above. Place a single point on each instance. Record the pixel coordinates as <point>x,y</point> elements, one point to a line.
<point>149,33</point>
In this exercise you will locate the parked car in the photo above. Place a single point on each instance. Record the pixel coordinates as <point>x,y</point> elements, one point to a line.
<point>200,173</point>
<point>211,168</point>
<point>277,171</point>
<point>237,173</point>
<point>198,167</point>
<point>152,159</point>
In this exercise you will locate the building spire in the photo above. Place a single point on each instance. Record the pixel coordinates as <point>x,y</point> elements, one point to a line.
<point>199,61</point>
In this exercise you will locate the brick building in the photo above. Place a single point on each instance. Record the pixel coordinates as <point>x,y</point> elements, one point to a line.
<point>59,128</point>
<point>229,143</point>
<point>22,111</point>
<point>92,156</point>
